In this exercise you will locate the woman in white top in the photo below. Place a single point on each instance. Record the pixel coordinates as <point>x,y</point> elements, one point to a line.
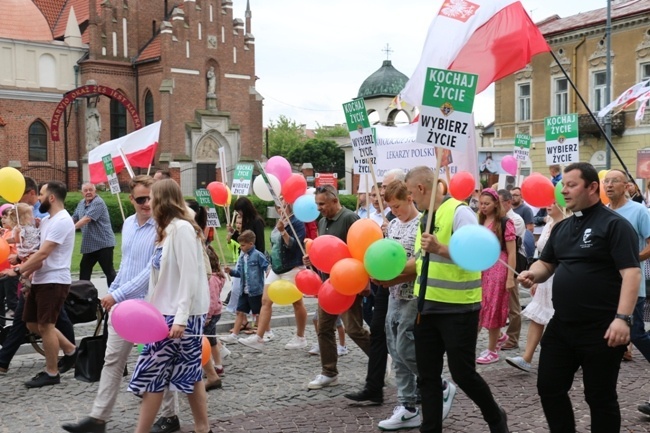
<point>540,310</point>
<point>182,295</point>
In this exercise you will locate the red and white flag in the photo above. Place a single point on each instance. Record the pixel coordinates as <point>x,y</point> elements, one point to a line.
<point>627,98</point>
<point>139,147</point>
<point>490,38</point>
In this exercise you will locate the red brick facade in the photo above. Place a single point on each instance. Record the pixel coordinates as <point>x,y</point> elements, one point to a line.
<point>168,56</point>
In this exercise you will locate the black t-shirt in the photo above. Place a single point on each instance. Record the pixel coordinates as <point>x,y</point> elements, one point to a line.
<point>589,249</point>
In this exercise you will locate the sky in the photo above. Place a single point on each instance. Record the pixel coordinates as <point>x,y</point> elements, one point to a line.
<point>312,56</point>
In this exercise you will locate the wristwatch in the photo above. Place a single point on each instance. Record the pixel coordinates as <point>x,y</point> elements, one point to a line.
<point>625,317</point>
<point>17,270</point>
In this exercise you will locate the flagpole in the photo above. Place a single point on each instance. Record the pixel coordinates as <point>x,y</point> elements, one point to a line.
<point>592,115</point>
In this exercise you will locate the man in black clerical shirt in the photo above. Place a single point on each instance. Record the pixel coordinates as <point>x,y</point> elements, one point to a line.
<point>595,257</point>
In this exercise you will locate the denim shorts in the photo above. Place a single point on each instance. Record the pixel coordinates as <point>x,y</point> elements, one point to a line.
<point>248,303</point>
<point>210,328</point>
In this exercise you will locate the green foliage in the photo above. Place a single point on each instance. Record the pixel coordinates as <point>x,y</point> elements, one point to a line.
<point>73,199</point>
<point>325,156</point>
<point>284,135</point>
<point>348,201</point>
<point>331,131</point>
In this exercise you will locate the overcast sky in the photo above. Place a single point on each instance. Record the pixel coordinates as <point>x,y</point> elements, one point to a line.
<point>312,56</point>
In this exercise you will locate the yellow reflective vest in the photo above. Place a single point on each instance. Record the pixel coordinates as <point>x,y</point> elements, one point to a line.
<point>446,282</point>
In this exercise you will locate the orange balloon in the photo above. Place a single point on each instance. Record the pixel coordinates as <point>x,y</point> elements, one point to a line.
<point>4,250</point>
<point>308,244</point>
<point>206,351</point>
<point>361,235</point>
<point>349,277</point>
<point>603,195</point>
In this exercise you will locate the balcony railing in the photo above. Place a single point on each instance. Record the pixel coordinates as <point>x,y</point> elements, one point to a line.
<point>586,125</point>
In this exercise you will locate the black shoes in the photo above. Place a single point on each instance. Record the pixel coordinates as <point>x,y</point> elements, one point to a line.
<point>366,396</point>
<point>644,408</point>
<point>166,425</point>
<point>502,425</point>
<point>43,379</point>
<point>86,425</point>
<point>67,362</point>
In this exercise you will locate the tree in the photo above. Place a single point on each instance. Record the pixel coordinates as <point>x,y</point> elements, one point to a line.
<point>324,155</point>
<point>331,131</point>
<point>284,135</point>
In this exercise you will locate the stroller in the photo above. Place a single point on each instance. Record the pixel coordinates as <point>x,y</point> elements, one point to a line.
<point>81,305</point>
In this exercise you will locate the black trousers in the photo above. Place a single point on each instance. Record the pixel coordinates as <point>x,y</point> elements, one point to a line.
<point>455,334</point>
<point>565,348</point>
<point>378,347</point>
<point>18,331</point>
<point>104,257</point>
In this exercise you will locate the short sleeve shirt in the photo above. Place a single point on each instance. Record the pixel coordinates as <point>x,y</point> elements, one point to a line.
<point>58,229</point>
<point>589,249</point>
<point>98,233</point>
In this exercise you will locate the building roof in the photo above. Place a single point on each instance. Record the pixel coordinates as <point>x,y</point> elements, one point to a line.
<point>554,25</point>
<point>385,81</point>
<point>21,19</point>
<point>51,9</point>
<point>81,11</point>
<point>151,51</point>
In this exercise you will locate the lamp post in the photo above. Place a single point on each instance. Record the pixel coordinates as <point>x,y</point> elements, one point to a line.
<point>608,82</point>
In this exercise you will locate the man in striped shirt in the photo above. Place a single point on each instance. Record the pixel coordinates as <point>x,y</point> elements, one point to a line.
<point>132,282</point>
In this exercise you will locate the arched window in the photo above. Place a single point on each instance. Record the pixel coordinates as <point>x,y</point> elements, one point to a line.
<point>148,108</point>
<point>118,119</point>
<point>37,141</point>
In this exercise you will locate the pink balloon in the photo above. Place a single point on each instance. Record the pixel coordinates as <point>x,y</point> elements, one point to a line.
<point>509,164</point>
<point>278,167</point>
<point>138,321</point>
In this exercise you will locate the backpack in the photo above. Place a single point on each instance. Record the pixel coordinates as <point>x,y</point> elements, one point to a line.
<point>82,302</point>
<point>522,261</point>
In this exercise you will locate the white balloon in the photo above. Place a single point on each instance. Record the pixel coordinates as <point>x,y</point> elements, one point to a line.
<point>262,191</point>
<point>311,191</point>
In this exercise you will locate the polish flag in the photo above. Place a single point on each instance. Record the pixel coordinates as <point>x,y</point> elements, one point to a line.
<point>490,38</point>
<point>629,97</point>
<point>139,147</point>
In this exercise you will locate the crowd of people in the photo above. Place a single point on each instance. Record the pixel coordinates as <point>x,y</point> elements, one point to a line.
<point>586,274</point>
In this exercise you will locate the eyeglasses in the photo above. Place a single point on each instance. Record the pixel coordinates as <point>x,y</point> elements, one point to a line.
<point>611,181</point>
<point>142,200</point>
<point>326,189</point>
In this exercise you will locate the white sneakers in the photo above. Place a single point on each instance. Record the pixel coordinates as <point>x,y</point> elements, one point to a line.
<point>448,398</point>
<point>323,381</point>
<point>341,350</point>
<point>296,343</point>
<point>401,419</point>
<point>253,341</point>
<point>315,349</point>
<point>232,338</point>
<point>268,336</point>
<point>224,352</point>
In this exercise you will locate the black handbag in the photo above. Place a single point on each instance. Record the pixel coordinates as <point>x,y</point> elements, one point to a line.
<point>90,356</point>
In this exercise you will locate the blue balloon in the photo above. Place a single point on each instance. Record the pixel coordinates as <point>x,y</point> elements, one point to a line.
<point>474,248</point>
<point>305,209</point>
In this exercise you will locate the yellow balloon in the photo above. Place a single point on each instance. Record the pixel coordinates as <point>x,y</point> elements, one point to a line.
<point>602,174</point>
<point>284,292</point>
<point>229,196</point>
<point>12,184</point>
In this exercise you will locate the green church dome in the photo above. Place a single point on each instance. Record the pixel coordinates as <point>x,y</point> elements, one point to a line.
<point>385,81</point>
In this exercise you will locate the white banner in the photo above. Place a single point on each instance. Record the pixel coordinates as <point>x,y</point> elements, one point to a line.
<point>397,148</point>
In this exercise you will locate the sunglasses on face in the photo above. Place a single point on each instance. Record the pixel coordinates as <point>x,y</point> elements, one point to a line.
<point>141,200</point>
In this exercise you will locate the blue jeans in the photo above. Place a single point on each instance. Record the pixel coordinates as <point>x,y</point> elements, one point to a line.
<point>565,348</point>
<point>400,321</point>
<point>640,338</point>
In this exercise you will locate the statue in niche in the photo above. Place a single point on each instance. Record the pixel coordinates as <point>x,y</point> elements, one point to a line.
<point>212,82</point>
<point>93,124</point>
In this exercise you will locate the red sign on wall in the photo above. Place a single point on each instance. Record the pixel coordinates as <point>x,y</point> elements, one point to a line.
<point>323,179</point>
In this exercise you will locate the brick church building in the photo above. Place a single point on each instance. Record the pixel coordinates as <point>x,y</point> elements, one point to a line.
<point>188,63</point>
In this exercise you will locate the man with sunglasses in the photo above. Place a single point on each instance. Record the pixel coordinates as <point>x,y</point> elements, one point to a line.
<point>132,282</point>
<point>97,238</point>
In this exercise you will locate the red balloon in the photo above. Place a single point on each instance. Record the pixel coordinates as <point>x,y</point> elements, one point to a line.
<point>326,250</point>
<point>462,185</point>
<point>332,301</point>
<point>294,187</point>
<point>218,192</point>
<point>308,282</point>
<point>5,265</point>
<point>538,190</point>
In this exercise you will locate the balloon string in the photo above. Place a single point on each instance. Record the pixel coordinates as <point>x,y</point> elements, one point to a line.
<point>508,266</point>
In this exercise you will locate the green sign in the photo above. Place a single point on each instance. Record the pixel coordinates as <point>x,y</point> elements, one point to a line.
<point>241,180</point>
<point>562,139</point>
<point>203,197</point>
<point>364,148</point>
<point>446,114</point>
<point>113,181</point>
<point>356,115</point>
<point>522,147</point>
